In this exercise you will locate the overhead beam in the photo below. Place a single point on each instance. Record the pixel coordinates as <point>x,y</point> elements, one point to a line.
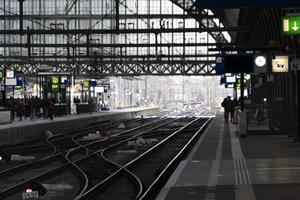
<point>92,62</point>
<point>248,48</point>
<point>99,45</point>
<point>121,31</point>
<point>107,16</point>
<point>111,56</point>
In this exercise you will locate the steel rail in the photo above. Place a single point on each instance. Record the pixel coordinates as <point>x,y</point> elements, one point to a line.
<point>161,178</point>
<point>52,171</point>
<point>96,187</point>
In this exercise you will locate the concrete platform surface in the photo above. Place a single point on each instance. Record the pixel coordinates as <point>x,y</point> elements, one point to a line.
<point>222,166</point>
<point>28,130</point>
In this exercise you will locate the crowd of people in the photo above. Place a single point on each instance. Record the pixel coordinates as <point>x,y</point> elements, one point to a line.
<point>229,106</point>
<point>31,108</point>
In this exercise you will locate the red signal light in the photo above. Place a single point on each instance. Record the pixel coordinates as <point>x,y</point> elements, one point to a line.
<point>28,190</point>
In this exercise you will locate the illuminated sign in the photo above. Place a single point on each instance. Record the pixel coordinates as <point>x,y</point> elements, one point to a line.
<point>99,89</point>
<point>55,82</point>
<point>229,85</point>
<point>280,64</point>
<point>230,79</point>
<point>1,73</point>
<point>10,73</point>
<point>86,85</point>
<point>64,79</point>
<point>291,25</point>
<point>11,81</point>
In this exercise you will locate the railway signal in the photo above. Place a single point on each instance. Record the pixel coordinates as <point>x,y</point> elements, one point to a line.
<point>36,187</point>
<point>98,131</point>
<point>4,156</point>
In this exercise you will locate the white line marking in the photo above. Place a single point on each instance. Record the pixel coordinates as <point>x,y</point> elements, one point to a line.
<point>277,168</point>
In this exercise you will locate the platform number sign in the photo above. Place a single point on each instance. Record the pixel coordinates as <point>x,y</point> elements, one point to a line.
<point>54,83</point>
<point>280,64</point>
<point>291,25</point>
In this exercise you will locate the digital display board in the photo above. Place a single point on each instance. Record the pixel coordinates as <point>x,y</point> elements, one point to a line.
<point>238,64</point>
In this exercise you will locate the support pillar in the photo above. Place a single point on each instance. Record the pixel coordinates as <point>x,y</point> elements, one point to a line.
<point>21,14</point>
<point>242,92</point>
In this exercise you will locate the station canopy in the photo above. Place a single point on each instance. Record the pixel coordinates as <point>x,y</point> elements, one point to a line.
<point>128,37</point>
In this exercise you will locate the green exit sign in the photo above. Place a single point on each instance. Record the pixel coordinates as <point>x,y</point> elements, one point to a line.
<point>291,25</point>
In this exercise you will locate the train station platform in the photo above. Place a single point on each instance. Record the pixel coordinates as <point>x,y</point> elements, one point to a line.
<point>224,166</point>
<point>28,130</point>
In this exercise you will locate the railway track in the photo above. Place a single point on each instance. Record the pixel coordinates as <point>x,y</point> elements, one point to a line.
<point>66,163</point>
<point>140,177</point>
<point>63,140</point>
<point>88,165</point>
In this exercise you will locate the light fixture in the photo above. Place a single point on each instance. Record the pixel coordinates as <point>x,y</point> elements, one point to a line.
<point>260,61</point>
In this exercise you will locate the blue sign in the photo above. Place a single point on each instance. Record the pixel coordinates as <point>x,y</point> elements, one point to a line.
<point>203,4</point>
<point>223,79</point>
<point>220,66</point>
<point>93,83</point>
<point>19,81</point>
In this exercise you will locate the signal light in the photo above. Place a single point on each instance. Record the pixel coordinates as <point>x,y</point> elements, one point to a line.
<point>4,156</point>
<point>28,190</point>
<point>35,186</point>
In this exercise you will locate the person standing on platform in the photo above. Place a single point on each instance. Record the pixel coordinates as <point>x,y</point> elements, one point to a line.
<point>51,107</point>
<point>20,109</point>
<point>90,105</point>
<point>12,106</point>
<point>32,107</point>
<point>231,106</point>
<point>225,105</point>
<point>45,106</point>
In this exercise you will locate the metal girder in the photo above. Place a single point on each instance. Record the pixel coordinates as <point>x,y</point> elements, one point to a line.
<point>248,48</point>
<point>107,16</point>
<point>125,69</point>
<point>69,6</point>
<point>120,31</point>
<point>99,45</point>
<point>118,56</point>
<point>54,62</point>
<point>189,6</point>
